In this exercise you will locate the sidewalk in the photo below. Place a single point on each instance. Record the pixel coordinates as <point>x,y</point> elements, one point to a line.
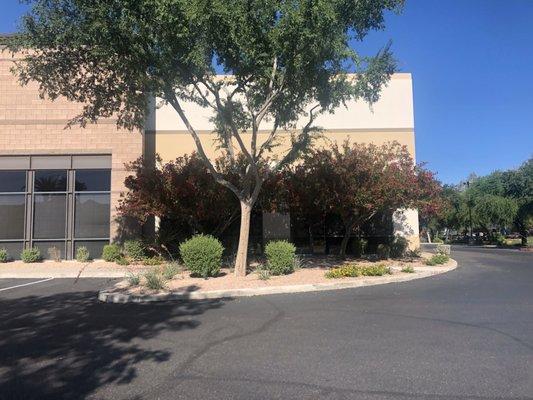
<point>67,269</point>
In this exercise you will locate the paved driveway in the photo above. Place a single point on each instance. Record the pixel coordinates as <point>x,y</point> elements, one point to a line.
<point>467,334</point>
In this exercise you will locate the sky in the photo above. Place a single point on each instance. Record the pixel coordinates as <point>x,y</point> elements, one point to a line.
<point>472,67</point>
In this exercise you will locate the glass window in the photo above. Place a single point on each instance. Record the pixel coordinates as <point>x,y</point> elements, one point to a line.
<point>93,180</point>
<point>51,181</point>
<point>51,250</point>
<point>12,181</point>
<point>92,216</point>
<point>13,249</point>
<point>12,216</point>
<point>95,247</point>
<point>49,216</point>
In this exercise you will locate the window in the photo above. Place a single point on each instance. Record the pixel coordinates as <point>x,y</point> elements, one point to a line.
<point>55,203</point>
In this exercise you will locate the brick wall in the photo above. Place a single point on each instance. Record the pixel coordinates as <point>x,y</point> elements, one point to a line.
<point>30,125</point>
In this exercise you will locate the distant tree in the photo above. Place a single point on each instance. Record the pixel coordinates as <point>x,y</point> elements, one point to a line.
<point>491,211</point>
<point>286,61</point>
<point>358,181</point>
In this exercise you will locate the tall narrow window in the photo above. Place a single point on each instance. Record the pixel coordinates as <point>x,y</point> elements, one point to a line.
<point>12,211</point>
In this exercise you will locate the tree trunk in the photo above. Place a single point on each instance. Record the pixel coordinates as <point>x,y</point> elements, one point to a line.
<point>241,262</point>
<point>346,238</point>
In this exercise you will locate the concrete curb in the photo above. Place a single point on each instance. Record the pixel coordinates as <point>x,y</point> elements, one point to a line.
<point>108,296</point>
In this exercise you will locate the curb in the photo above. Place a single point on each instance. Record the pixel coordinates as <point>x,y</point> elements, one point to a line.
<point>108,296</point>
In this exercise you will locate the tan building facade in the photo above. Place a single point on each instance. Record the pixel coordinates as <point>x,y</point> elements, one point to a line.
<point>59,187</point>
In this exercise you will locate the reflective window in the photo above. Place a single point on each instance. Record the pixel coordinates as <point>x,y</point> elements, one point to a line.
<point>12,181</point>
<point>95,247</point>
<point>49,216</point>
<point>12,212</point>
<point>91,216</point>
<point>51,250</point>
<point>51,181</point>
<point>13,249</point>
<point>93,180</point>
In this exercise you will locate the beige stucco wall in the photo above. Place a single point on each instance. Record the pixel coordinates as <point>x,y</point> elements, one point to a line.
<point>30,125</point>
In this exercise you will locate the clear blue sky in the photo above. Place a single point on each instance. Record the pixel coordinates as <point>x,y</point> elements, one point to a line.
<point>472,66</point>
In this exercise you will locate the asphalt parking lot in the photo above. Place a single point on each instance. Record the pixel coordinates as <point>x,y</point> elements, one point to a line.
<point>467,334</point>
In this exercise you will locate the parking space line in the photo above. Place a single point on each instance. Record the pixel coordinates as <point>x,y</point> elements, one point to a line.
<point>26,284</point>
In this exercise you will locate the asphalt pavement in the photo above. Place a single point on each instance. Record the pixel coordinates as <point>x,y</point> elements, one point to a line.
<point>466,334</point>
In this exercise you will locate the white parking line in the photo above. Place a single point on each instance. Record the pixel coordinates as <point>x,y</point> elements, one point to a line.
<point>26,284</point>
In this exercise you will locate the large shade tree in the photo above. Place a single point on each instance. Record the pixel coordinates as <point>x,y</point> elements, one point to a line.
<point>285,61</point>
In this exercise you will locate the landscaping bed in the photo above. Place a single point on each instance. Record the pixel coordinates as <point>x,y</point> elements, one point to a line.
<point>315,273</point>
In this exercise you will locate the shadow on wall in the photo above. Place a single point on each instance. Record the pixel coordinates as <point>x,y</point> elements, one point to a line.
<point>67,345</point>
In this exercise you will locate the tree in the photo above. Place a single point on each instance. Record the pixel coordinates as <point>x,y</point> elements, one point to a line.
<point>285,61</point>
<point>359,181</point>
<point>181,191</point>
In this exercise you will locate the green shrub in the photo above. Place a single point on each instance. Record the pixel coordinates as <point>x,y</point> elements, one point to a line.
<point>281,257</point>
<point>122,261</point>
<point>134,249</point>
<point>170,270</point>
<point>383,251</point>
<point>54,253</point>
<point>82,254</point>
<point>263,274</point>
<point>354,270</point>
<point>409,269</point>
<point>202,255</point>
<point>500,240</point>
<point>437,239</point>
<point>4,256</point>
<point>154,280</point>
<point>359,247</point>
<point>134,279</point>
<point>152,261</point>
<point>437,259</point>
<point>416,253</point>
<point>398,247</point>
<point>443,249</point>
<point>111,252</point>
<point>31,255</point>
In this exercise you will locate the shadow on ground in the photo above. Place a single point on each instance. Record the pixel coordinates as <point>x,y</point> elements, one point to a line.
<point>67,345</point>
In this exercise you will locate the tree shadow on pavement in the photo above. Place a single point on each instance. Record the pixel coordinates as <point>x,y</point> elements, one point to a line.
<point>67,345</point>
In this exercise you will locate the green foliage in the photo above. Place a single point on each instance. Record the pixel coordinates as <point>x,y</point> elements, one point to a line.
<point>134,249</point>
<point>416,253</point>
<point>437,259</point>
<point>263,274</point>
<point>443,249</point>
<point>4,256</point>
<point>151,261</point>
<point>437,239</point>
<point>32,255</point>
<point>202,255</point>
<point>82,254</point>
<point>54,253</point>
<point>408,269</point>
<point>134,279</point>
<point>354,270</point>
<point>111,252</point>
<point>170,270</point>
<point>281,257</point>
<point>154,280</point>
<point>500,240</point>
<point>360,246</point>
<point>398,247</point>
<point>122,261</point>
<point>383,251</point>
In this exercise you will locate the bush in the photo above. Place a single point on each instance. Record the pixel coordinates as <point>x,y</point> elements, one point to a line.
<point>437,239</point>
<point>4,256</point>
<point>443,249</point>
<point>122,261</point>
<point>154,280</point>
<point>202,255</point>
<point>54,253</point>
<point>383,251</point>
<point>134,249</point>
<point>437,259</point>
<point>416,253</point>
<point>354,270</point>
<point>82,254</point>
<point>170,270</point>
<point>281,257</point>
<point>500,240</point>
<point>398,247</point>
<point>263,274</point>
<point>111,252</point>
<point>31,255</point>
<point>409,269</point>
<point>359,247</point>
<point>134,279</point>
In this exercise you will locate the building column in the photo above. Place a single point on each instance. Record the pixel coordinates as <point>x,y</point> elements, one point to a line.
<point>405,224</point>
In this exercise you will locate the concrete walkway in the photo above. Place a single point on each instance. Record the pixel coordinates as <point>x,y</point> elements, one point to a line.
<point>67,269</point>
